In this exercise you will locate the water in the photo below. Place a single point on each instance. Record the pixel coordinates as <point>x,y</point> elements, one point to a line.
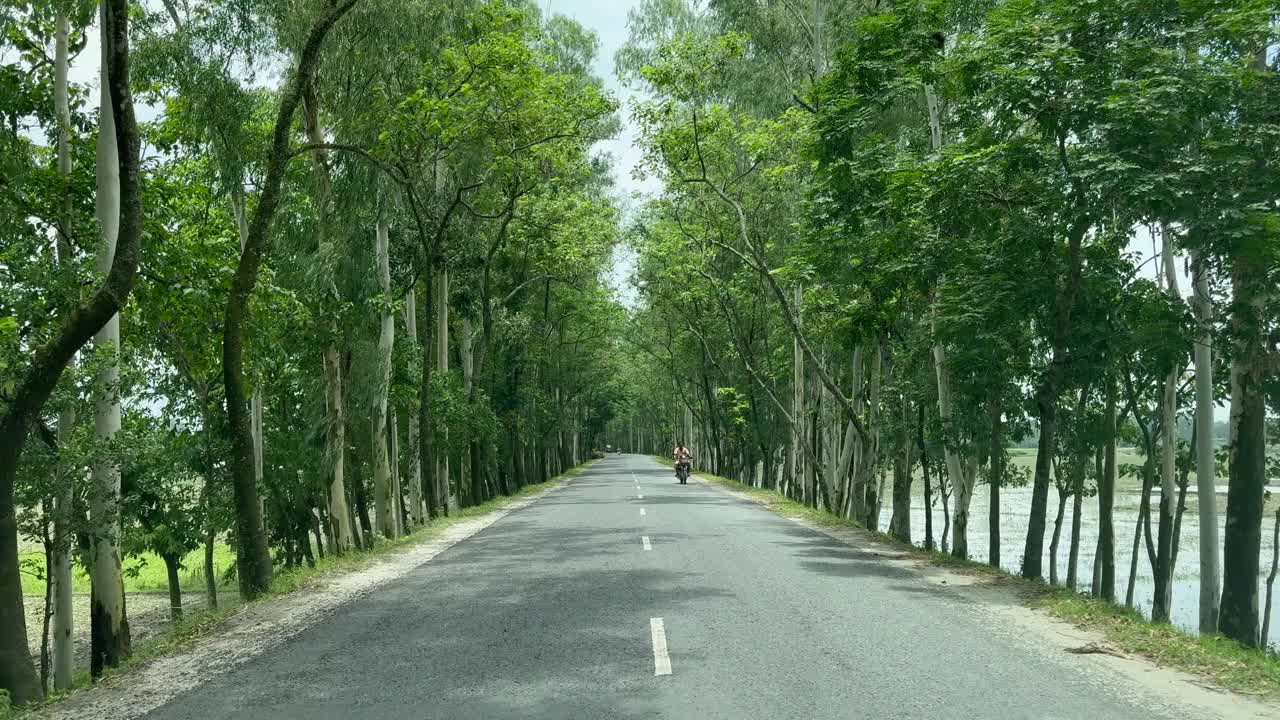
<point>1015,509</point>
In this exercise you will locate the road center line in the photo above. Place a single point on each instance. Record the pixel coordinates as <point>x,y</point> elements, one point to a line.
<point>661,660</point>
<point>644,540</point>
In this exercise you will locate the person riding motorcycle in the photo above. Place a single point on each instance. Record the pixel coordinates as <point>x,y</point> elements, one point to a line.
<point>683,458</point>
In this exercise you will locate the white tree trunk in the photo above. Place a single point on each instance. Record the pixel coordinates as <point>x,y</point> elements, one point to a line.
<point>963,488</point>
<point>872,453</point>
<point>960,483</point>
<point>831,451</point>
<point>382,484</point>
<point>797,398</point>
<point>442,366</point>
<point>335,445</point>
<point>1210,572</point>
<point>417,515</point>
<point>1169,409</point>
<point>60,573</point>
<point>397,496</point>
<point>466,352</point>
<point>108,610</point>
<point>466,349</point>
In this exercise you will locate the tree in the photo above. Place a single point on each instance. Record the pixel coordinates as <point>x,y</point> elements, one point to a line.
<point>38,377</point>
<point>253,560</point>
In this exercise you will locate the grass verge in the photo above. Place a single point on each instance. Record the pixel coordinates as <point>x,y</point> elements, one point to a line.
<point>196,625</point>
<point>1224,662</point>
<point>142,573</point>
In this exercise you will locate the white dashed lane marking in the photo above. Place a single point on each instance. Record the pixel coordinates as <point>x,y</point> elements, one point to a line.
<point>661,660</point>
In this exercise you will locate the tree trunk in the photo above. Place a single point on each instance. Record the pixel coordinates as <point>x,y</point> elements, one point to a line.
<point>1057,535</point>
<point>240,210</point>
<point>1144,511</point>
<point>1047,401</point>
<point>426,429</point>
<point>361,496</point>
<point>210,572</point>
<point>359,535</point>
<point>444,489</point>
<point>1206,499</point>
<point>797,397</point>
<point>253,556</point>
<point>47,362</point>
<point>61,568</point>
<point>384,493</point>
<point>175,586</point>
<point>335,443</point>
<point>47,615</point>
<point>1073,553</point>
<point>1163,571</point>
<point>1246,483</point>
<point>955,471</point>
<point>417,515</point>
<point>945,488</point>
<point>393,460</point>
<point>1238,618</point>
<point>996,416</point>
<point>1271,580</point>
<point>466,348</point>
<point>109,627</point>
<point>928,488</point>
<point>1106,498</point>
<point>900,522</point>
<point>317,526</point>
<point>871,452</point>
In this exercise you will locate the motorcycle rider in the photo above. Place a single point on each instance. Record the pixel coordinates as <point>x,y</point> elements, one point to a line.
<point>682,456</point>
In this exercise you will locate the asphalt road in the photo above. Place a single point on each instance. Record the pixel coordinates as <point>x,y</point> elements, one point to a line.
<point>550,613</point>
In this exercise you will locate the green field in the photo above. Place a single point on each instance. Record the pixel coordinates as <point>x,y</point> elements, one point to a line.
<point>142,573</point>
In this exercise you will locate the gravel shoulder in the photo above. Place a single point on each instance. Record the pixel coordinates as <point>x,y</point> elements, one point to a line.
<point>148,617</point>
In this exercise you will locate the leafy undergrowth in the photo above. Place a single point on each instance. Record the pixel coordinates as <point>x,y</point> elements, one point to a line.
<point>1225,662</point>
<point>196,625</point>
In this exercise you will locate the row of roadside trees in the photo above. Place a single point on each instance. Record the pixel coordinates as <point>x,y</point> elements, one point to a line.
<point>896,238</point>
<point>306,276</point>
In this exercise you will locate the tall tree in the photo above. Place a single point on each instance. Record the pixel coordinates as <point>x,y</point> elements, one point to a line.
<point>109,626</point>
<point>40,374</point>
<point>253,559</point>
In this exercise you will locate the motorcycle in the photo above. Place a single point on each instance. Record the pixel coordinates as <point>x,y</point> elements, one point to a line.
<point>682,472</point>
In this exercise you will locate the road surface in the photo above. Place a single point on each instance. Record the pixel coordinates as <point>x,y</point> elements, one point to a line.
<point>627,595</point>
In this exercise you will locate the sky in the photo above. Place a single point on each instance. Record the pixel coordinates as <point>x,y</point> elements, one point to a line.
<point>608,19</point>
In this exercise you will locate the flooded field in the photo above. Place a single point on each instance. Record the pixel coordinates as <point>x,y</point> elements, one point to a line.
<point>1015,504</point>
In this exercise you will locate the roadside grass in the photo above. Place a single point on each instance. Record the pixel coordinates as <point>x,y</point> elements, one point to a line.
<point>1224,662</point>
<point>142,573</point>
<point>198,624</point>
